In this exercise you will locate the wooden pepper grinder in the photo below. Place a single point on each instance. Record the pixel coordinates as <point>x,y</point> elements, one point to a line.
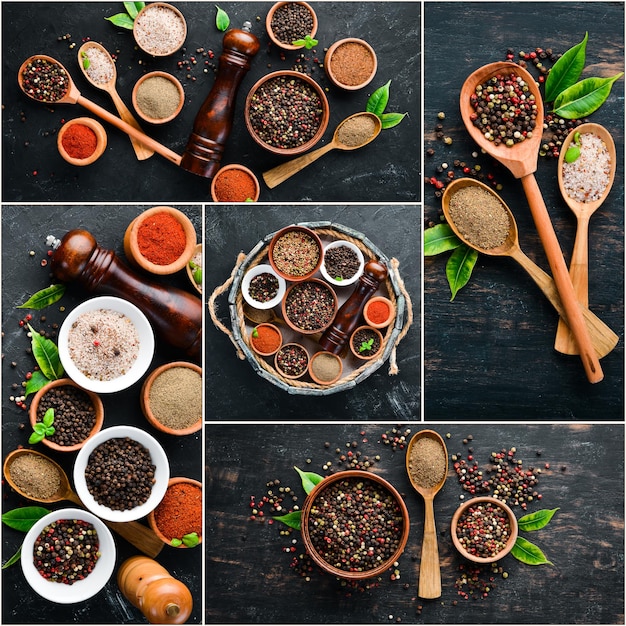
<point>175,315</point>
<point>148,586</point>
<point>214,120</point>
<point>337,335</point>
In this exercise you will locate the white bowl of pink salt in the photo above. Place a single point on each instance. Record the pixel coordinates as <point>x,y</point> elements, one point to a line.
<point>106,344</point>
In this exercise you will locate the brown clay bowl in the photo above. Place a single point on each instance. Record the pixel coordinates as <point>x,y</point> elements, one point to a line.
<point>270,16</point>
<point>224,171</point>
<point>258,350</point>
<point>101,140</point>
<point>143,114</point>
<point>282,372</point>
<point>328,355</point>
<point>337,78</point>
<point>360,355</point>
<point>292,324</point>
<point>140,33</point>
<point>392,312</point>
<point>297,229</point>
<point>309,515</point>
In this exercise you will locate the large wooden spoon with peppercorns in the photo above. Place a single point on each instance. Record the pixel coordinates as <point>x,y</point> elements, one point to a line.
<point>521,159</point>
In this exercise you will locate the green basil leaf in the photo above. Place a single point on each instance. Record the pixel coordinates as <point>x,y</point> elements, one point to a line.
<point>585,97</point>
<point>122,20</point>
<point>309,479</point>
<point>527,552</point>
<point>14,559</point>
<point>536,520</point>
<point>24,518</point>
<point>46,354</point>
<point>459,268</point>
<point>197,276</point>
<point>36,437</point>
<point>48,418</point>
<point>132,9</point>
<point>293,519</point>
<point>86,64</point>
<point>191,540</point>
<point>39,428</point>
<point>438,239</point>
<point>377,102</point>
<point>50,431</point>
<point>566,71</point>
<point>176,542</point>
<point>36,382</point>
<point>222,21</point>
<point>389,120</point>
<point>49,295</point>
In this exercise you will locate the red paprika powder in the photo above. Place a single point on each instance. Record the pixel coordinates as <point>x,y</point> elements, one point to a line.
<point>234,186</point>
<point>180,511</point>
<point>378,312</point>
<point>79,141</point>
<point>161,238</point>
<point>266,339</point>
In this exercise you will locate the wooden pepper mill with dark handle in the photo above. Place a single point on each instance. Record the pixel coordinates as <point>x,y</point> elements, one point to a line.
<point>175,315</point>
<point>338,334</point>
<point>214,120</point>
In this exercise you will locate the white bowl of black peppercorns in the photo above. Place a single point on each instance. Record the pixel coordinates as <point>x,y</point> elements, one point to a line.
<point>121,474</point>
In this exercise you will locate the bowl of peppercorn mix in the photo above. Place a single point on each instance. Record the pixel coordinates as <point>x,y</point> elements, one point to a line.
<point>295,252</point>
<point>262,287</point>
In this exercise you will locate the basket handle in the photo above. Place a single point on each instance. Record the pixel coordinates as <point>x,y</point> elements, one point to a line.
<point>393,364</point>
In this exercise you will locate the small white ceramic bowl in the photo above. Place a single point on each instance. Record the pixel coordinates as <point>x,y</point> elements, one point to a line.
<point>349,281</point>
<point>245,287</point>
<point>81,589</point>
<point>146,345</point>
<point>161,474</point>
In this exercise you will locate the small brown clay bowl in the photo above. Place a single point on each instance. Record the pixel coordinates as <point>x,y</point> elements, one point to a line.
<point>224,171</point>
<point>360,355</point>
<point>166,76</point>
<point>134,255</point>
<point>190,271</point>
<point>66,382</point>
<point>141,34</point>
<point>297,229</point>
<point>282,372</point>
<point>145,400</point>
<point>176,480</point>
<point>258,350</point>
<point>328,355</point>
<point>338,79</point>
<point>101,140</point>
<point>292,324</point>
<point>391,316</point>
<point>270,32</point>
<point>463,510</point>
<point>382,486</point>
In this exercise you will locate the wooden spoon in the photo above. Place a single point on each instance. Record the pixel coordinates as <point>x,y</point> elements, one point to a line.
<point>602,337</point>
<point>282,172</point>
<point>141,151</point>
<point>73,96</point>
<point>579,264</point>
<point>521,160</point>
<point>261,316</point>
<point>135,533</point>
<point>429,585</point>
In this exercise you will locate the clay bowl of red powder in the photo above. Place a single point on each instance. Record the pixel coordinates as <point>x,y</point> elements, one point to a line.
<point>235,183</point>
<point>379,312</point>
<point>161,240</point>
<point>81,141</point>
<point>177,519</point>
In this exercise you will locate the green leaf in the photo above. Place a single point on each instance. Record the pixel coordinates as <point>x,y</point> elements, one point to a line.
<point>197,276</point>
<point>309,479</point>
<point>176,542</point>
<point>438,239</point>
<point>191,540</point>
<point>308,42</point>
<point>585,97</point>
<point>24,518</point>
<point>389,120</point>
<point>527,552</point>
<point>377,102</point>
<point>14,559</point>
<point>222,21</point>
<point>39,428</point>
<point>46,354</point>
<point>293,519</point>
<point>48,418</point>
<point>133,8</point>
<point>36,382</point>
<point>572,154</point>
<point>536,520</point>
<point>49,295</point>
<point>121,20</point>
<point>566,71</point>
<point>459,268</point>
<point>36,437</point>
<point>86,64</point>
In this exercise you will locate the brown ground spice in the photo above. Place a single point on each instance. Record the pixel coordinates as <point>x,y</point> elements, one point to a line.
<point>351,64</point>
<point>35,475</point>
<point>428,463</point>
<point>176,398</point>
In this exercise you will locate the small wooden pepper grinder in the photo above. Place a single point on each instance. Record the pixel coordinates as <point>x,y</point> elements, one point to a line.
<point>337,335</point>
<point>175,315</point>
<point>148,586</point>
<point>214,120</point>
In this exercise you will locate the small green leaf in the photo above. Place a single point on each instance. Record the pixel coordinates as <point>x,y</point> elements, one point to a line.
<point>585,97</point>
<point>39,428</point>
<point>389,120</point>
<point>133,8</point>
<point>536,520</point>
<point>14,559</point>
<point>191,540</point>
<point>122,20</point>
<point>255,333</point>
<point>308,42</point>
<point>527,552</point>
<point>309,479</point>
<point>366,345</point>
<point>566,71</point>
<point>52,294</point>
<point>48,418</point>
<point>36,382</point>
<point>36,437</point>
<point>293,519</point>
<point>46,354</point>
<point>24,518</point>
<point>222,21</point>
<point>572,154</point>
<point>176,542</point>
<point>197,276</point>
<point>377,102</point>
<point>438,239</point>
<point>459,268</point>
<point>86,64</point>
<point>50,431</point>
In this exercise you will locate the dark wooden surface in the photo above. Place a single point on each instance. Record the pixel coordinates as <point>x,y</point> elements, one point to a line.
<point>249,573</point>
<point>25,229</point>
<point>386,171</point>
<point>489,354</point>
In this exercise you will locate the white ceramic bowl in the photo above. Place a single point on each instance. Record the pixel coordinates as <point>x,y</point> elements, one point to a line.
<point>146,345</point>
<point>349,281</point>
<point>161,474</point>
<point>245,287</point>
<point>81,589</point>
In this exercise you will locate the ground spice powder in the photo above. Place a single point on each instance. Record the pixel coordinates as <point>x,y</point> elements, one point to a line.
<point>356,130</point>
<point>378,312</point>
<point>161,238</point>
<point>35,475</point>
<point>428,462</point>
<point>351,63</point>
<point>234,186</point>
<point>79,141</point>
<point>158,98</point>
<point>180,511</point>
<point>175,398</point>
<point>265,339</point>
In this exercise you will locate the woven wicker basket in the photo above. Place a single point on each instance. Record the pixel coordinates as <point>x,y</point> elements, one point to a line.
<point>392,287</point>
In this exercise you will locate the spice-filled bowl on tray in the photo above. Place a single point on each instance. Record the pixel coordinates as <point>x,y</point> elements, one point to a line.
<point>235,183</point>
<point>325,368</point>
<point>81,141</point>
<point>121,474</point>
<point>171,398</point>
<point>295,252</point>
<point>89,566</point>
<point>286,112</point>
<point>350,63</point>
<point>484,529</point>
<point>266,339</point>
<point>377,509</point>
<point>292,360</point>
<point>158,97</point>
<point>262,287</point>
<point>177,519</point>
<point>309,306</point>
<point>289,22</point>
<point>366,342</point>
<point>161,240</point>
<point>106,344</point>
<point>159,29</point>
<point>342,263</point>
<point>379,312</point>
<point>77,414</point>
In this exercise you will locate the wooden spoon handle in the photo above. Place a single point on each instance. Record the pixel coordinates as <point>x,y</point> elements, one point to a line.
<point>429,585</point>
<point>572,310</point>
<point>138,535</point>
<point>129,130</point>
<point>281,173</point>
<point>142,151</point>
